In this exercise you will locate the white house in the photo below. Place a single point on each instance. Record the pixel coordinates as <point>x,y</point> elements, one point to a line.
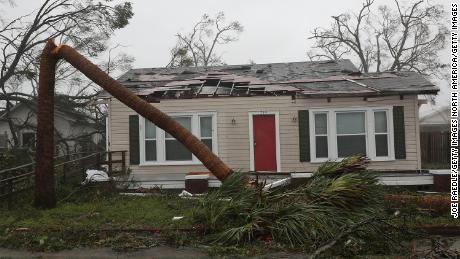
<point>280,117</point>
<point>74,131</point>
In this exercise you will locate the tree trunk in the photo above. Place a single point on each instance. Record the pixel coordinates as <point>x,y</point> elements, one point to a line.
<point>45,196</point>
<point>145,109</point>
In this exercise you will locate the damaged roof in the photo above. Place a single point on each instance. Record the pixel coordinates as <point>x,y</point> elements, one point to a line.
<point>309,79</point>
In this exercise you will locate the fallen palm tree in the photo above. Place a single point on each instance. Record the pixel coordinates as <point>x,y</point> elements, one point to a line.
<point>340,199</point>
<point>44,176</point>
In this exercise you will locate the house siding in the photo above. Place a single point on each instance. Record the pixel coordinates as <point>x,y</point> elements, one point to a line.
<point>233,139</point>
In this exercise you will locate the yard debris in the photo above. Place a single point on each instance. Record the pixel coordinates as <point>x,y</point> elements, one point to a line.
<point>279,183</point>
<point>185,193</point>
<point>22,229</point>
<point>134,194</point>
<point>95,176</point>
<point>338,196</point>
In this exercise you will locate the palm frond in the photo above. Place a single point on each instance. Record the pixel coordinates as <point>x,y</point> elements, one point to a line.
<point>338,195</point>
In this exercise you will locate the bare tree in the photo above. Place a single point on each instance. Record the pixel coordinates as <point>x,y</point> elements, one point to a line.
<point>198,48</point>
<point>86,24</point>
<point>395,39</point>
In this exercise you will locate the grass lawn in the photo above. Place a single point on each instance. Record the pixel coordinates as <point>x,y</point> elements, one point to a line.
<point>94,219</point>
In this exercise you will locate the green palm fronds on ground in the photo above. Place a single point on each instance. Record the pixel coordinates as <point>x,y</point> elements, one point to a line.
<point>339,194</point>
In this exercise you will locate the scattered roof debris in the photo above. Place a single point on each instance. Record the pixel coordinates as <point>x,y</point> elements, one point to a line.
<point>309,79</point>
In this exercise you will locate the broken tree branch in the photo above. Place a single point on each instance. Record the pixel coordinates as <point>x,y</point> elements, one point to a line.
<point>44,169</point>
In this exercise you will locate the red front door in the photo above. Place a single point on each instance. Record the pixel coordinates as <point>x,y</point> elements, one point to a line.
<point>264,132</point>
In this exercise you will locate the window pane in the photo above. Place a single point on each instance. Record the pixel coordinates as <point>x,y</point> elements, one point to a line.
<point>184,121</point>
<point>351,145</point>
<point>381,145</point>
<point>175,151</point>
<point>28,139</point>
<point>321,147</point>
<point>150,130</point>
<point>320,123</point>
<point>350,123</point>
<point>150,150</point>
<point>3,140</point>
<point>207,142</point>
<point>206,126</point>
<point>380,122</point>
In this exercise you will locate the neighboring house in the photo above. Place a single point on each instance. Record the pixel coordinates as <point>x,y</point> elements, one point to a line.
<point>280,117</point>
<point>436,121</point>
<point>74,131</point>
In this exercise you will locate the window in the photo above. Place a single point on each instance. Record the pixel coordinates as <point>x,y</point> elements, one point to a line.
<point>28,139</point>
<point>159,147</point>
<point>321,135</point>
<point>381,133</point>
<point>175,151</point>
<point>3,140</point>
<point>339,133</point>
<point>206,130</point>
<point>150,141</point>
<point>351,133</point>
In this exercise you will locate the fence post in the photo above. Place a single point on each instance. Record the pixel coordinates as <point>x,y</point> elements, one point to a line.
<point>81,165</point>
<point>98,161</point>
<point>123,162</point>
<point>10,194</point>
<point>64,170</point>
<point>110,162</point>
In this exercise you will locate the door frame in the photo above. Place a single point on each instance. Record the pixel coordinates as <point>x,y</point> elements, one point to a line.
<point>251,138</point>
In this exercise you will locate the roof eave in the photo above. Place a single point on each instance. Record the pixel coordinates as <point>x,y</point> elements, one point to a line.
<point>369,94</point>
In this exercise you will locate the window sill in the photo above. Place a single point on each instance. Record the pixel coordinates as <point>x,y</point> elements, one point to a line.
<point>170,163</point>
<point>382,159</point>
<point>318,161</point>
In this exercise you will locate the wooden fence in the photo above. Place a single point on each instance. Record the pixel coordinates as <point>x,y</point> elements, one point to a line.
<point>22,178</point>
<point>435,148</point>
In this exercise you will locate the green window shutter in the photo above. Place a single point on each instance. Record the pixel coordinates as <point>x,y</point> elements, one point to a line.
<point>304,135</point>
<point>399,132</point>
<point>134,140</point>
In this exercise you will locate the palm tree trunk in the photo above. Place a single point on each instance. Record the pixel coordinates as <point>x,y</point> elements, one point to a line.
<point>44,174</point>
<point>162,120</point>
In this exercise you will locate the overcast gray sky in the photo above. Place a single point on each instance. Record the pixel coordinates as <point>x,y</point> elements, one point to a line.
<point>274,30</point>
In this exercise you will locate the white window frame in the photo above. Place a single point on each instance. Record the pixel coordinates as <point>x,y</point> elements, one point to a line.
<point>212,130</point>
<point>160,138</point>
<point>390,134</point>
<point>313,133</point>
<point>147,139</point>
<point>369,132</point>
